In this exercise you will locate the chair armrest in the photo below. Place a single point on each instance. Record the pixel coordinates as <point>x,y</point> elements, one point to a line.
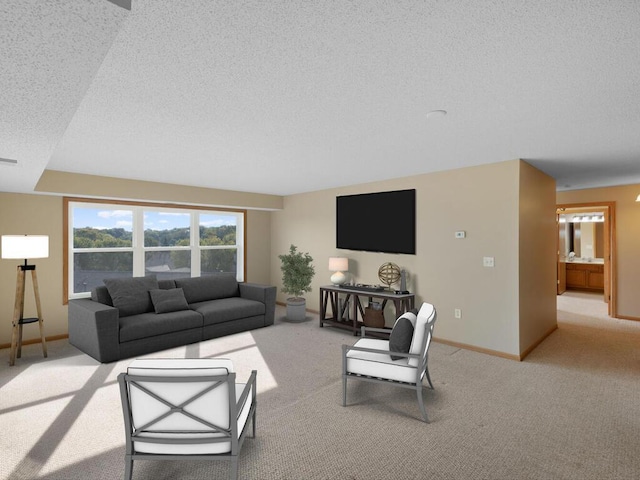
<point>94,329</point>
<point>261,293</point>
<point>346,348</point>
<point>364,329</point>
<point>251,383</point>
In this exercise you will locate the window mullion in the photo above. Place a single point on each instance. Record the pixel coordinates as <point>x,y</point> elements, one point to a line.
<point>195,244</point>
<point>138,242</point>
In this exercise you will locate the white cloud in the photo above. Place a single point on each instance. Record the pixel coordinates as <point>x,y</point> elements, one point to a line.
<point>124,223</point>
<point>218,222</point>
<point>114,213</point>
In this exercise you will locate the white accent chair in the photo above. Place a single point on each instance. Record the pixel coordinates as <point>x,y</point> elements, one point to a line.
<point>369,359</point>
<point>183,408</point>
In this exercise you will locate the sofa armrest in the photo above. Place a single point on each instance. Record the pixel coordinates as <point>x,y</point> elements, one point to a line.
<point>261,293</point>
<point>94,329</point>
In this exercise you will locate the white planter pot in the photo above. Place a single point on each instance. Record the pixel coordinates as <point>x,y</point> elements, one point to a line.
<point>296,309</point>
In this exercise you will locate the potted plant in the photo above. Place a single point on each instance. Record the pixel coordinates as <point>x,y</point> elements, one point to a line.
<point>297,273</point>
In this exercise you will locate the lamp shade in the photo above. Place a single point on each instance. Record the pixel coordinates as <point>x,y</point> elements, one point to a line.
<point>638,198</point>
<point>338,264</point>
<point>25,246</point>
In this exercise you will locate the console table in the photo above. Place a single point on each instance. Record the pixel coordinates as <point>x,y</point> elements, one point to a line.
<point>329,295</point>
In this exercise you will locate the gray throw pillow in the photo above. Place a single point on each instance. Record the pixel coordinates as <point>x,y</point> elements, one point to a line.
<point>400,338</point>
<point>165,301</point>
<point>131,295</point>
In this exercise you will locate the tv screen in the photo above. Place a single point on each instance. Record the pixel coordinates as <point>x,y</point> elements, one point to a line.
<point>377,222</point>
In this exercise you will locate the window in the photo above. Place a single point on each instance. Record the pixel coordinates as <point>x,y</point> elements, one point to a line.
<point>110,240</point>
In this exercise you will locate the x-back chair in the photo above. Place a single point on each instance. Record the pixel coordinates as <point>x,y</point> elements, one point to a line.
<point>177,409</point>
<point>369,359</point>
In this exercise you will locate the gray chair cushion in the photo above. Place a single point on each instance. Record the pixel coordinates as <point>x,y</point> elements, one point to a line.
<point>131,295</point>
<point>210,287</point>
<point>147,325</point>
<point>171,300</point>
<point>400,338</point>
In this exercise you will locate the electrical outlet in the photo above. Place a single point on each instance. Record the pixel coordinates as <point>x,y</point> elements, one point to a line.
<point>457,313</point>
<point>488,262</point>
<point>461,234</point>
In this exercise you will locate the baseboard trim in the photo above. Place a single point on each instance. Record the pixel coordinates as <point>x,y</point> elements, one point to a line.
<point>627,317</point>
<point>488,351</point>
<point>31,341</point>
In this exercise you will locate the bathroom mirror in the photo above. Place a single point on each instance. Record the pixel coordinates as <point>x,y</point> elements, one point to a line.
<point>582,234</point>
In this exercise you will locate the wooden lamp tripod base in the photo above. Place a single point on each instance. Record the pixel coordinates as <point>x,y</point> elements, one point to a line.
<point>18,312</point>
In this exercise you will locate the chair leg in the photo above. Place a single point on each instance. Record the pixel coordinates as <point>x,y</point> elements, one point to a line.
<point>421,403</point>
<point>429,378</point>
<point>344,390</point>
<point>253,422</point>
<point>128,467</point>
<point>233,471</point>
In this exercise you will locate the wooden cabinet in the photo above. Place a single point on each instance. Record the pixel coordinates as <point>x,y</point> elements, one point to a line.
<point>588,276</point>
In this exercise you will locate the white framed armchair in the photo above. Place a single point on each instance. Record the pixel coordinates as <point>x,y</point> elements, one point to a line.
<point>389,361</point>
<point>185,409</point>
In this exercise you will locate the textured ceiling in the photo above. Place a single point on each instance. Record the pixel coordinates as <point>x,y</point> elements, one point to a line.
<point>284,97</point>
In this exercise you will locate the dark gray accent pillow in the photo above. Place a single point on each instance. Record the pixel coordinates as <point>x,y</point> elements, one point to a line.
<point>165,301</point>
<point>131,295</point>
<point>400,338</point>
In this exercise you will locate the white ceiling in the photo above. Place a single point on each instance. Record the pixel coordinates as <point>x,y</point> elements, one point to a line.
<point>283,97</point>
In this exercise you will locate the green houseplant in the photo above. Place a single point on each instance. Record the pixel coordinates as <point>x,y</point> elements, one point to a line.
<point>297,273</point>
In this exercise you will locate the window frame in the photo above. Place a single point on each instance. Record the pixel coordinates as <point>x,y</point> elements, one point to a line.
<point>138,248</point>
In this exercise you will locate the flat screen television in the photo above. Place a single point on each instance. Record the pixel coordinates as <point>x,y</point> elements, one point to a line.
<point>377,222</point>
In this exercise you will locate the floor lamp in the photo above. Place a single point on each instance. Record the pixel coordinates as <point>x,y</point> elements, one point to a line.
<point>24,247</point>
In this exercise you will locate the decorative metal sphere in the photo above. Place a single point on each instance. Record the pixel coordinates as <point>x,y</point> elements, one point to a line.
<point>389,273</point>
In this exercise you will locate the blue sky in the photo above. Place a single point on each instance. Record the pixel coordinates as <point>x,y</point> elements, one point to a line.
<point>102,218</point>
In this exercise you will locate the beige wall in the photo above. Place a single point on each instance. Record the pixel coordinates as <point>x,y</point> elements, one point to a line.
<point>35,215</point>
<point>42,214</point>
<point>500,206</point>
<point>484,201</point>
<point>538,246</point>
<point>78,184</point>
<point>627,235</point>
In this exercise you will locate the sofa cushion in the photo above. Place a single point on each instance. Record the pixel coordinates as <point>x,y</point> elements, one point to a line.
<point>147,325</point>
<point>171,300</point>
<point>131,295</point>
<point>100,294</point>
<point>166,284</point>
<point>210,287</point>
<point>401,336</point>
<point>228,309</point>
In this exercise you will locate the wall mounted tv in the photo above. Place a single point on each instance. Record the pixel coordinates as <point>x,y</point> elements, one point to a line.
<point>377,222</point>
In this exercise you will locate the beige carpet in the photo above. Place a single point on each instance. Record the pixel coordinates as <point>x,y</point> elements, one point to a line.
<point>569,411</point>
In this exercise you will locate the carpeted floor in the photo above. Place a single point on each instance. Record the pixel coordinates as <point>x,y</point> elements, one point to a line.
<point>569,411</point>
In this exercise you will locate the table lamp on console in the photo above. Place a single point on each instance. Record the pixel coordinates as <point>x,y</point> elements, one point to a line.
<point>25,247</point>
<point>339,265</point>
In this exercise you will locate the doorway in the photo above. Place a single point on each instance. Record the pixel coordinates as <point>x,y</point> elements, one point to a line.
<point>586,250</point>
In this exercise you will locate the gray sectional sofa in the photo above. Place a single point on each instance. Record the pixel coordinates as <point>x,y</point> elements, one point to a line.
<point>140,315</point>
